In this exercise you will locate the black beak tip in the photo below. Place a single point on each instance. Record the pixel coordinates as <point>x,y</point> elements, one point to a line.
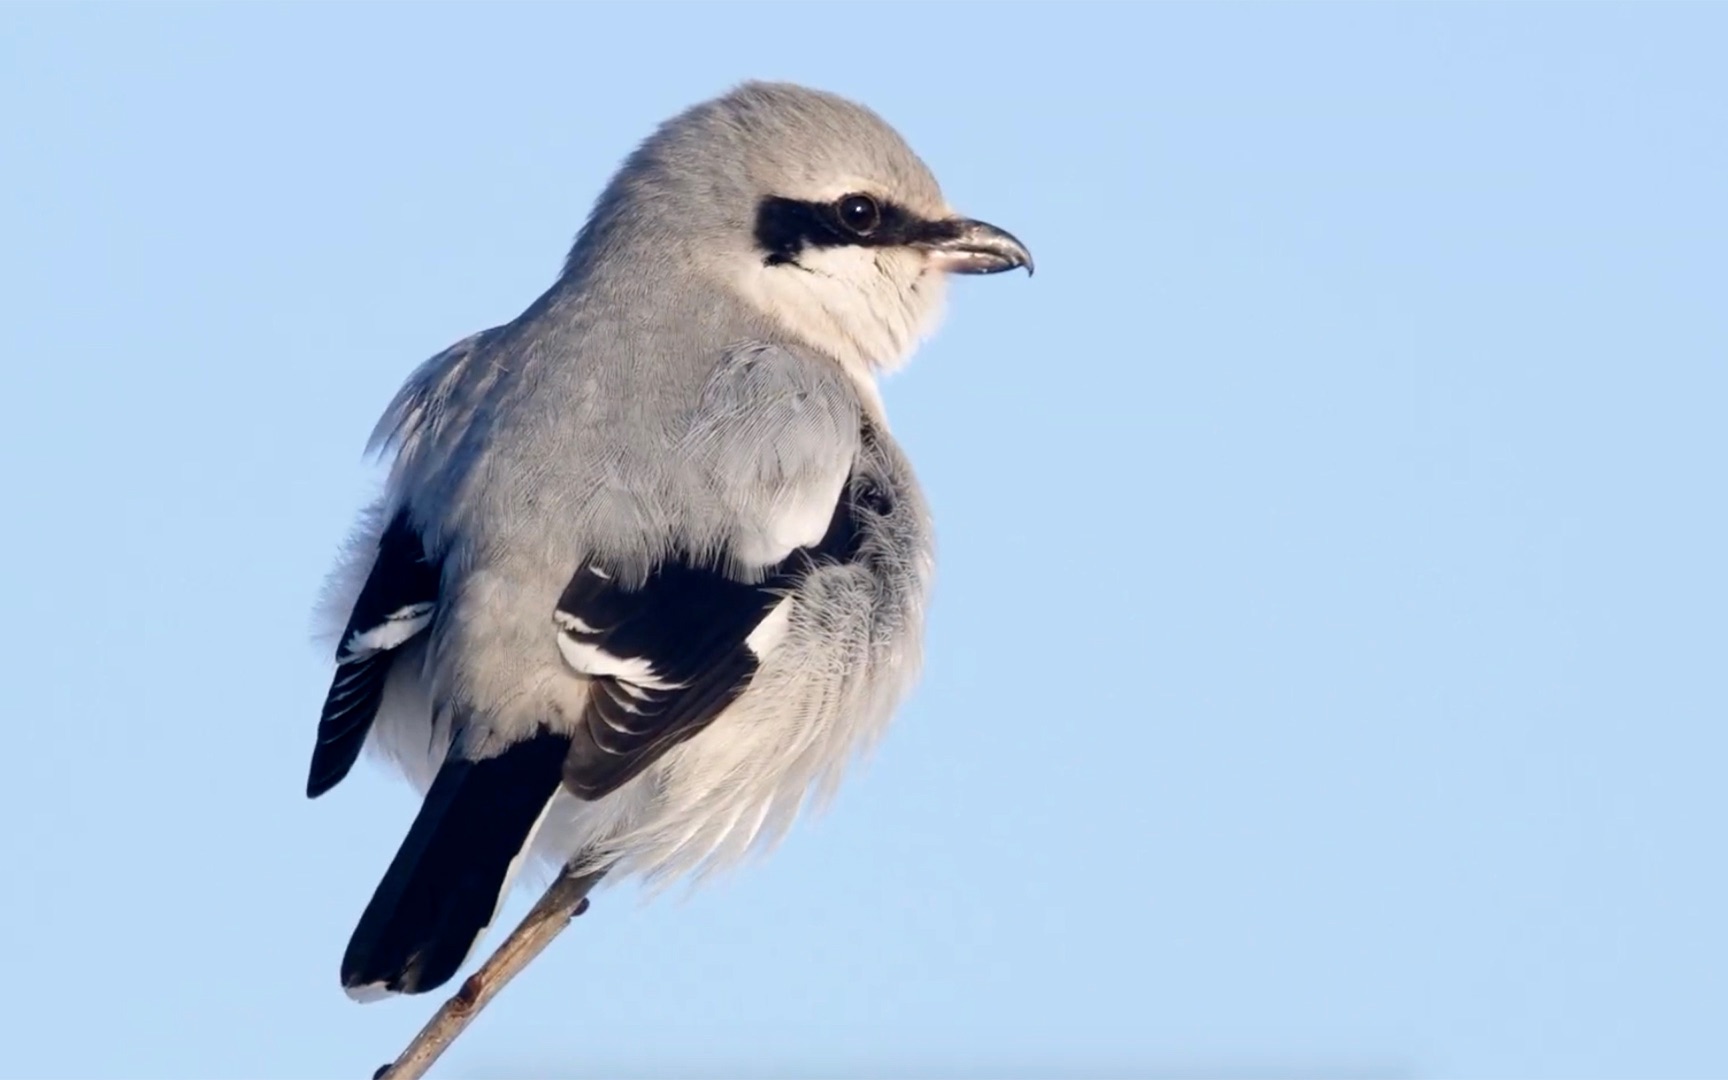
<point>1013,262</point>
<point>969,246</point>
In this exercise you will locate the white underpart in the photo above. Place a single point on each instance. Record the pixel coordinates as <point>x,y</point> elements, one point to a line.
<point>771,630</point>
<point>397,627</point>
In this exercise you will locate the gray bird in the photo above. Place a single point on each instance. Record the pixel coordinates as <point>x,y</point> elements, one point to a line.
<point>649,569</point>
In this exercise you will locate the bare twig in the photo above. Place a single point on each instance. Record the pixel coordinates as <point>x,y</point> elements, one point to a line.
<point>565,898</point>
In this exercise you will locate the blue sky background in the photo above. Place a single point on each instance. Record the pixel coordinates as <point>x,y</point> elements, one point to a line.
<point>1326,676</point>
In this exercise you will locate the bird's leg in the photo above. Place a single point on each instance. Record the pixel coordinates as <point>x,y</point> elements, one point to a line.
<point>565,898</point>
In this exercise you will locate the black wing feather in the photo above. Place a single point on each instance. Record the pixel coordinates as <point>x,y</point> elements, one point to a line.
<point>689,624</point>
<point>402,581</point>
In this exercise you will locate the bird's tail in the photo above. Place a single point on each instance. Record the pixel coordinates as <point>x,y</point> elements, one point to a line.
<point>451,874</point>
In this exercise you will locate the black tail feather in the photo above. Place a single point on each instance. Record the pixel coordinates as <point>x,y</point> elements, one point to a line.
<point>447,879</point>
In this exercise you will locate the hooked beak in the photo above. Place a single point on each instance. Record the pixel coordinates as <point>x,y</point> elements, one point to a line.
<point>964,246</point>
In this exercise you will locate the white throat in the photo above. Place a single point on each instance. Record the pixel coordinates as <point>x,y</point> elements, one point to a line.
<point>869,308</point>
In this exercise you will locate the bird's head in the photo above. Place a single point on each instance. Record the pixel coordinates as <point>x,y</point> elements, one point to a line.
<point>809,206</point>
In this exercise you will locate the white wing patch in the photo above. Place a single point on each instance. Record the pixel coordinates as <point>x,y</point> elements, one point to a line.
<point>596,662</point>
<point>771,631</point>
<point>397,627</point>
<point>802,518</point>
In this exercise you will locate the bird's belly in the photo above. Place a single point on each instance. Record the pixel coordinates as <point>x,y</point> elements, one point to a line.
<point>824,694</point>
<point>736,784</point>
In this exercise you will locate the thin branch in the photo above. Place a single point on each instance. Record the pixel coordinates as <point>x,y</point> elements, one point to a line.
<point>565,898</point>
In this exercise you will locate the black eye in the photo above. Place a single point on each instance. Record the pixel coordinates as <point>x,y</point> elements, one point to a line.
<point>859,214</point>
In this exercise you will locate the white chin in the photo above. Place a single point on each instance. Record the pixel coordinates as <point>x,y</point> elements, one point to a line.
<point>867,307</point>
